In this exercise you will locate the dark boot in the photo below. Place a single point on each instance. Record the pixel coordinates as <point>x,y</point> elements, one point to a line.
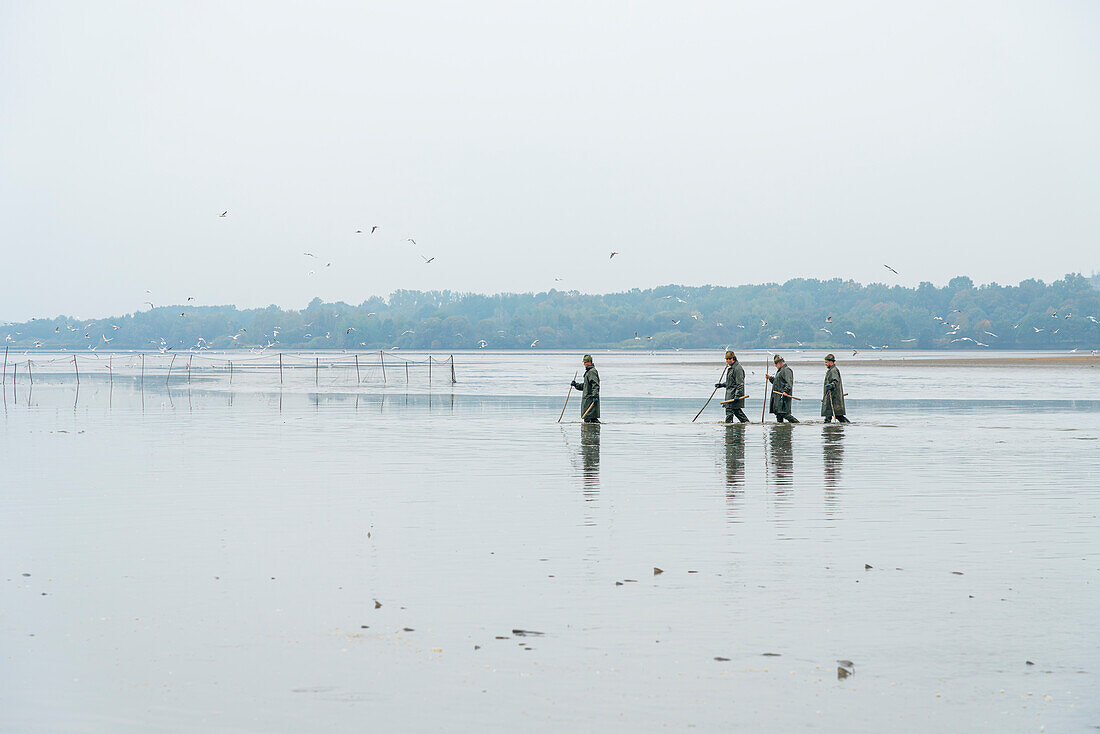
<point>843,419</point>
<point>792,419</point>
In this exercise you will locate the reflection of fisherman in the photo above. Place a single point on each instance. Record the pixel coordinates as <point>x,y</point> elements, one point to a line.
<point>590,392</point>
<point>735,456</point>
<point>782,453</point>
<point>590,457</point>
<point>832,400</point>
<point>734,382</point>
<point>782,390</point>
<point>832,450</point>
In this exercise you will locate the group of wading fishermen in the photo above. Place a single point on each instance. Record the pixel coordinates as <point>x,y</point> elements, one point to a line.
<point>733,379</point>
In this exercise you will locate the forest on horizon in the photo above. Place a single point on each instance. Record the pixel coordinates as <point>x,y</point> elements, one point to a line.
<point>830,314</point>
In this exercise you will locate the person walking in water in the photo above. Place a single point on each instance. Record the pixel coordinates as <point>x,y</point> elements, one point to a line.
<point>590,392</point>
<point>734,382</point>
<point>832,400</point>
<point>782,391</point>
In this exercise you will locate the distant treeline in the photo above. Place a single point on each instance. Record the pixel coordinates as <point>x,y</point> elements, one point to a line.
<point>1031,315</point>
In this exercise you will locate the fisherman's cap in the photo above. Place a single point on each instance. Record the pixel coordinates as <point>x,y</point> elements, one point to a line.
<point>777,359</point>
<point>587,358</point>
<point>730,354</point>
<point>830,358</point>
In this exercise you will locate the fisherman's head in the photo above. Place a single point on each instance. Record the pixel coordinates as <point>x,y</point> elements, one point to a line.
<point>730,356</point>
<point>778,360</point>
<point>587,360</point>
<point>830,360</point>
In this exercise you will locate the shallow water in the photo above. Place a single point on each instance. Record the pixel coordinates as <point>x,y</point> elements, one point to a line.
<point>209,557</point>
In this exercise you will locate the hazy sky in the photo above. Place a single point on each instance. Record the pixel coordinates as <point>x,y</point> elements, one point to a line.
<point>517,143</point>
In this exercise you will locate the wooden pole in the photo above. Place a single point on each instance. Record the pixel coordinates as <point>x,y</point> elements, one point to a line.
<point>429,369</point>
<point>230,372</point>
<point>453,380</point>
<point>316,369</point>
<point>30,372</point>
<point>189,356</point>
<point>721,378</point>
<point>169,377</point>
<point>406,372</point>
<point>357,379</point>
<point>567,395</point>
<point>5,371</point>
<point>110,368</point>
<point>280,368</point>
<point>792,397</point>
<point>734,400</point>
<point>143,370</point>
<point>382,361</point>
<point>76,367</point>
<point>765,405</point>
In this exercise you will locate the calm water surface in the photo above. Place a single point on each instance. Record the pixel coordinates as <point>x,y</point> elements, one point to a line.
<point>207,557</point>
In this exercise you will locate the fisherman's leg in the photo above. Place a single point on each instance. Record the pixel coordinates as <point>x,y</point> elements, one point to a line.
<point>731,413</point>
<point>843,419</point>
<point>779,417</point>
<point>740,415</point>
<point>791,418</point>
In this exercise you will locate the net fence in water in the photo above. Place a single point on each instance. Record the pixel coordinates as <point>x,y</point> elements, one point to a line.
<point>321,368</point>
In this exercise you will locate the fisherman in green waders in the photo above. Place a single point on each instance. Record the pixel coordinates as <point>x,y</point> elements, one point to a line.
<point>734,382</point>
<point>832,401</point>
<point>590,392</point>
<point>782,391</point>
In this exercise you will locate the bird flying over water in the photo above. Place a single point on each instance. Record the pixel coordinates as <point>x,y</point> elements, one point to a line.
<point>534,342</point>
<point>850,334</point>
<point>675,322</point>
<point>991,334</point>
<point>825,330</point>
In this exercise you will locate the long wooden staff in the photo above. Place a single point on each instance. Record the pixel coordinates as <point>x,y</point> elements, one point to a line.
<point>567,395</point>
<point>734,400</point>
<point>722,378</point>
<point>765,405</point>
<point>792,397</point>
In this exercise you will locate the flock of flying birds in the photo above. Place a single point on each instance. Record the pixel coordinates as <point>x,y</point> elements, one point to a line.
<point>272,339</point>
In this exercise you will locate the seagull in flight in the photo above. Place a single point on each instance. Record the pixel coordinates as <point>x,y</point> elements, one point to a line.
<point>613,254</point>
<point>481,344</point>
<point>350,329</point>
<point>1037,329</point>
<point>224,214</point>
<point>427,259</point>
<point>908,340</point>
<point>826,331</point>
<point>372,229</point>
<point>991,334</point>
<point>850,334</point>
<point>828,319</point>
<point>407,331</point>
<point>891,270</point>
<point>675,322</point>
<point>309,254</point>
<point>534,342</point>
<point>763,323</point>
<point>410,239</point>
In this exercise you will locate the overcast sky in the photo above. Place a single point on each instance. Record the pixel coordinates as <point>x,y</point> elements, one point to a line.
<point>719,143</point>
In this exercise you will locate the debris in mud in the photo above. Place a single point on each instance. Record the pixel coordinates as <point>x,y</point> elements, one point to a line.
<point>657,570</point>
<point>526,633</point>
<point>722,660</point>
<point>377,604</point>
<point>844,669</point>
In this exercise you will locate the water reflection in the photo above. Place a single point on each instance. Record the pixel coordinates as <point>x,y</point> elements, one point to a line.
<point>735,467</point>
<point>780,454</point>
<point>832,451</point>
<point>590,460</point>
